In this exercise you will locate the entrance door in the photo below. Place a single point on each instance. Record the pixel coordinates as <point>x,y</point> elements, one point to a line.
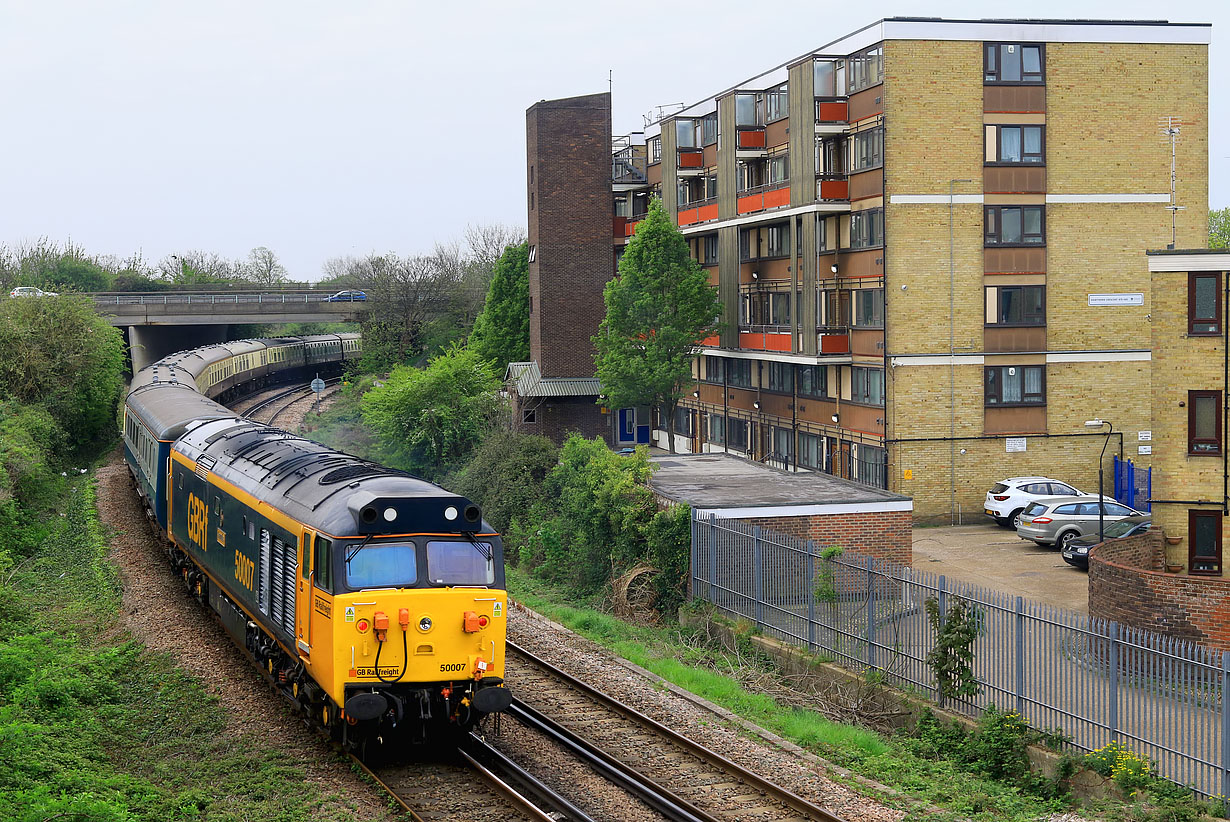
<point>627,425</point>
<point>303,598</point>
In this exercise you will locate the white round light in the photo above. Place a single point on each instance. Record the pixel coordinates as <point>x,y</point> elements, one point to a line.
<point>450,513</point>
<point>425,624</point>
<point>390,514</point>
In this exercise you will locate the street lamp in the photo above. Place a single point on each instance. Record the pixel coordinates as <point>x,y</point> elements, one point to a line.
<point>1101,463</point>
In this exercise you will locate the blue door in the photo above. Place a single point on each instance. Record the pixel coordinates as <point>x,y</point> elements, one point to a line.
<point>627,425</point>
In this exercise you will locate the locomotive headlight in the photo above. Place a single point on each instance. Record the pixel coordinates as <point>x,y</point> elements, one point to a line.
<point>390,514</point>
<point>450,513</point>
<point>425,624</point>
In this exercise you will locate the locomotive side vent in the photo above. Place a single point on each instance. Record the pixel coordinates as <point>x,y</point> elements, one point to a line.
<point>203,466</point>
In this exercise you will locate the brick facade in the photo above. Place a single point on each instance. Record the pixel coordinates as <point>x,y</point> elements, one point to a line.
<point>883,534</point>
<point>557,417</point>
<point>1127,585</point>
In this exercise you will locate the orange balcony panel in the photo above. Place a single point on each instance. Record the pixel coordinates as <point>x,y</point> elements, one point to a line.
<point>753,138</point>
<point>834,190</point>
<point>619,226</point>
<point>688,216</point>
<point>763,341</point>
<point>777,197</point>
<point>709,212</point>
<point>836,112</point>
<point>834,343</point>
<point>630,228</point>
<point>714,341</point>
<point>750,203</point>
<point>691,159</point>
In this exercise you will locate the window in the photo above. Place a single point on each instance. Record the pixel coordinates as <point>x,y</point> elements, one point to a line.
<point>1016,305</point>
<point>655,149</point>
<point>867,149</point>
<point>867,228</point>
<point>868,463</point>
<point>715,370</point>
<point>685,133</point>
<point>383,565</point>
<point>783,443</point>
<point>1204,423</point>
<point>533,253</point>
<point>529,416</point>
<point>778,238</point>
<point>1204,529</point>
<point>750,174</point>
<point>1015,145</point>
<point>460,563</point>
<point>866,385</point>
<point>829,78</point>
<point>739,373</point>
<point>717,428</point>
<point>710,250</point>
<point>324,563</point>
<point>830,156</point>
<point>781,378</point>
<point>683,421</point>
<point>1015,225</point>
<point>1012,63</point>
<point>749,109</point>
<point>866,69</point>
<point>813,381</point>
<point>736,434</point>
<point>811,451</point>
<point>709,129</point>
<point>779,169</point>
<point>711,187</point>
<point>779,309</point>
<point>777,104</point>
<point>869,308</point>
<point>1203,304</point>
<point>1015,385</point>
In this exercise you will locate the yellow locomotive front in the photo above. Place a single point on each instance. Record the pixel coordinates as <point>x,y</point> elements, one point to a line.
<point>406,631</point>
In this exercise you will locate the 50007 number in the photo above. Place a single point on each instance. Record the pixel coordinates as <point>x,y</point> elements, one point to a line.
<point>453,666</point>
<point>244,570</point>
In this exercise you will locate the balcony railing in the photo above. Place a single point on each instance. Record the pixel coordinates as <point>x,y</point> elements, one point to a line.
<point>832,110</point>
<point>833,339</point>
<point>751,137</point>
<point>699,211</point>
<point>628,169</point>
<point>832,186</point>
<point>773,195</point>
<point>691,158</point>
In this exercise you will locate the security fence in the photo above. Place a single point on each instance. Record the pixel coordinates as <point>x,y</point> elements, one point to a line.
<point>1094,681</point>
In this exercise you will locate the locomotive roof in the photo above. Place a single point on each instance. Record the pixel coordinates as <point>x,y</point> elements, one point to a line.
<point>168,408</point>
<point>317,485</point>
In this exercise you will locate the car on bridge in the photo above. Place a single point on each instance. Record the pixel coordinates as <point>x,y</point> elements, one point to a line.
<point>350,295</point>
<point>31,291</point>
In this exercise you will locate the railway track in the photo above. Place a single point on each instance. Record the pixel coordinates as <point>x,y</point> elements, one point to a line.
<point>699,783</point>
<point>273,406</point>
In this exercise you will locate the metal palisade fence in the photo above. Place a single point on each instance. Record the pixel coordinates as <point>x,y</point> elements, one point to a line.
<point>1094,681</point>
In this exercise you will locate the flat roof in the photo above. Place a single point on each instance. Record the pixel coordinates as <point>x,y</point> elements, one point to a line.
<point>732,487</point>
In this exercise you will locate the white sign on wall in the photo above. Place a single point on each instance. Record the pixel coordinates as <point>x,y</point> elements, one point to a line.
<point>1012,444</point>
<point>1144,449</point>
<point>1135,298</point>
<point>1144,436</point>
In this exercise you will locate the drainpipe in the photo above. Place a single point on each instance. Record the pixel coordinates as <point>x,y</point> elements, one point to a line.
<point>952,356</point>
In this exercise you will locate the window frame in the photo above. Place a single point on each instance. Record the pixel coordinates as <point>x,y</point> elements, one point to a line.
<point>1192,319</point>
<point>823,390</point>
<point>865,69</point>
<point>998,210</point>
<point>776,372</point>
<point>1192,440</point>
<point>860,296</point>
<point>860,378</point>
<point>735,368</point>
<point>1024,402</point>
<point>874,236</point>
<point>993,69</point>
<point>1027,321</point>
<point>874,154</point>
<point>997,129</point>
<point>1194,514</point>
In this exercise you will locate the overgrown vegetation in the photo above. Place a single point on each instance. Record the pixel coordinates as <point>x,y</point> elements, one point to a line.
<point>951,659</point>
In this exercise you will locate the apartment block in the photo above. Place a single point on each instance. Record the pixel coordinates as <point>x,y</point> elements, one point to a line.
<point>929,239</point>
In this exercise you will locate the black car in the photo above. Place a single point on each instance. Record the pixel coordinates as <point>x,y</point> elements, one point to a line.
<point>1076,552</point>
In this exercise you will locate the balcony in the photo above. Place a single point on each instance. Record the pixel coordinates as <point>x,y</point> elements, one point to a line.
<point>832,115</point>
<point>831,187</point>
<point>691,162</point>
<point>750,142</point>
<point>625,227</point>
<point>628,172</point>
<point>766,338</point>
<point>701,211</point>
<point>761,198</point>
<point>832,339</point>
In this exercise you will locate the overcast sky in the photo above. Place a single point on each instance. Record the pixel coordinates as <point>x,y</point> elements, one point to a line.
<point>324,129</point>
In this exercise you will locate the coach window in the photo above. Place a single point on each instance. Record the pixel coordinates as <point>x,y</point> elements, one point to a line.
<point>324,567</point>
<point>383,565</point>
<point>460,563</point>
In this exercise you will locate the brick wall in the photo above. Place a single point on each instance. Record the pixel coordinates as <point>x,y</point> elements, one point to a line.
<point>568,152</point>
<point>884,535</point>
<point>1127,585</point>
<point>557,417</point>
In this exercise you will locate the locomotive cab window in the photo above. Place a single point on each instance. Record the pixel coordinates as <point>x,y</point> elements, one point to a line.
<point>323,562</point>
<point>381,565</point>
<point>460,563</point>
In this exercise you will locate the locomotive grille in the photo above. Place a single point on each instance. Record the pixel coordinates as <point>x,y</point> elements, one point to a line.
<point>281,581</point>
<point>203,466</point>
<point>266,551</point>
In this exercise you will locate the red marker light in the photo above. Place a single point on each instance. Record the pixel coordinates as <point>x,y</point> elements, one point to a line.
<point>362,626</point>
<point>482,621</point>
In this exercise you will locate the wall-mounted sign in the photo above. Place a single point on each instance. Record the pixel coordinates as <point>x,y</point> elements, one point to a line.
<point>1136,298</point>
<point>1144,436</point>
<point>908,474</point>
<point>1144,449</point>
<point>1012,444</point>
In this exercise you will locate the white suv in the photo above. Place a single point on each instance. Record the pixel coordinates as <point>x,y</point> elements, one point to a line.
<point>1007,499</point>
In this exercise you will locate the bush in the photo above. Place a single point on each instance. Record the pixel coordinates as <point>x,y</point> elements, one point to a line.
<point>506,475</point>
<point>669,538</point>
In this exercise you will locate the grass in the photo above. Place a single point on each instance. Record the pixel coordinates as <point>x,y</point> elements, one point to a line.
<point>888,760</point>
<point>95,726</point>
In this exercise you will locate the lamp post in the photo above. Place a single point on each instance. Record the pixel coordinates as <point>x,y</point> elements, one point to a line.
<point>1101,469</point>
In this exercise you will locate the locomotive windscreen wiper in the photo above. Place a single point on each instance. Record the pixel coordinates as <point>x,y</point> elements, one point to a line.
<point>484,548</point>
<point>351,554</point>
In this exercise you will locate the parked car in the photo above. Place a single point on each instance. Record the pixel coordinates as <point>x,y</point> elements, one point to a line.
<point>1076,552</point>
<point>31,291</point>
<point>347,296</point>
<point>1007,499</point>
<point>1059,521</point>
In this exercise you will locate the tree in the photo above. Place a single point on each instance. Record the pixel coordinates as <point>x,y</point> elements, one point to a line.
<point>502,331</point>
<point>429,419</point>
<point>658,307</point>
<point>1219,228</point>
<point>263,267</point>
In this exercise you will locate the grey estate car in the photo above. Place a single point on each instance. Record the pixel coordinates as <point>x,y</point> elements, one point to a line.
<point>1059,521</point>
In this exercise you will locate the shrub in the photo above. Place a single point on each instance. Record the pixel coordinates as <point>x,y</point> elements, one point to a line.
<point>505,476</point>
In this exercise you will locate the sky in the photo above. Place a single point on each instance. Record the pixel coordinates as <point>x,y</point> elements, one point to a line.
<point>329,129</point>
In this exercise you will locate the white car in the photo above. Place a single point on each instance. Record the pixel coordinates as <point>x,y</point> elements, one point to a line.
<point>1008,498</point>
<point>31,291</point>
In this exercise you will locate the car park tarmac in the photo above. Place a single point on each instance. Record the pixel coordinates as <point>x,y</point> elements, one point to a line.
<point>996,558</point>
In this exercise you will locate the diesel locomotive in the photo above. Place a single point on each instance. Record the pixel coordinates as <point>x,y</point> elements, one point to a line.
<point>373,600</point>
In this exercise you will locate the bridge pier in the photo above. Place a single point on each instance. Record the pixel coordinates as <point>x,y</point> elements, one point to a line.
<point>150,343</point>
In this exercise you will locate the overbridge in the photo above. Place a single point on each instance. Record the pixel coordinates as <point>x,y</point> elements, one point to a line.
<point>160,323</point>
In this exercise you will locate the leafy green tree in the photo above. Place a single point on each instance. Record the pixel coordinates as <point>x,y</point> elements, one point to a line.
<point>1219,228</point>
<point>506,476</point>
<point>430,419</point>
<point>657,309</point>
<point>61,354</point>
<point>502,331</point>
